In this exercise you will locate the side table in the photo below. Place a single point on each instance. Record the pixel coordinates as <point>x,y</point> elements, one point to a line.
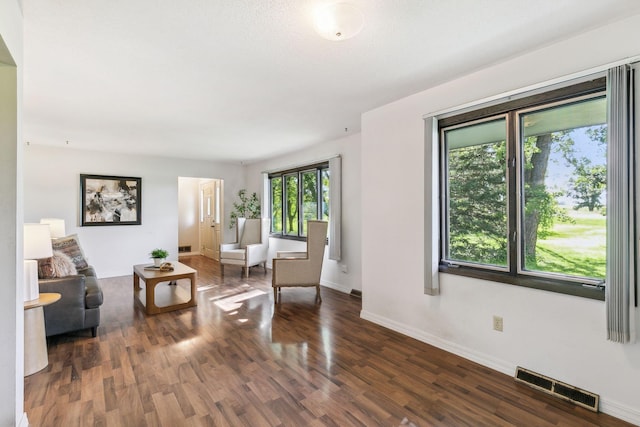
<point>35,340</point>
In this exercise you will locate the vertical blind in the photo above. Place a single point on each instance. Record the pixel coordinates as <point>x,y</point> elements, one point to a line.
<point>335,208</point>
<point>432,204</point>
<point>621,205</point>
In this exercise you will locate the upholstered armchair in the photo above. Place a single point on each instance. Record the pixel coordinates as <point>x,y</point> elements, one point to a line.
<point>301,268</point>
<point>251,245</point>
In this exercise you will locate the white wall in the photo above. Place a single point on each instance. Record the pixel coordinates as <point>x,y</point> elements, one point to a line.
<point>557,335</point>
<point>11,295</point>
<point>51,189</point>
<point>349,148</point>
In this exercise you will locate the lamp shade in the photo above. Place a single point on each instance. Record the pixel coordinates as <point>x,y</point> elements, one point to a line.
<point>37,241</point>
<point>56,225</point>
<point>338,21</point>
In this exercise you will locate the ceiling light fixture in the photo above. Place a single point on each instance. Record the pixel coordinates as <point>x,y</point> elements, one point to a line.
<point>338,21</point>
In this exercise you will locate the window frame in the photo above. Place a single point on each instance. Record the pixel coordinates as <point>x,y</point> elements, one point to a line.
<point>285,202</point>
<point>444,194</point>
<point>298,172</point>
<point>510,110</point>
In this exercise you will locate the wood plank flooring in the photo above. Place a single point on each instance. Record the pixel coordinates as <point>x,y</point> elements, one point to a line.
<point>236,360</point>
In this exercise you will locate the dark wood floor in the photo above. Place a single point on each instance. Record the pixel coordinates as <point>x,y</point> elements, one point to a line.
<point>236,360</point>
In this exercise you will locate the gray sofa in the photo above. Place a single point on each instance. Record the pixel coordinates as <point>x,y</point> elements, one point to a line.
<point>79,306</point>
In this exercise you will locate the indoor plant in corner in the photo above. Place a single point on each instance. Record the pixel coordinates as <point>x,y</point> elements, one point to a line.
<point>159,255</point>
<point>248,207</point>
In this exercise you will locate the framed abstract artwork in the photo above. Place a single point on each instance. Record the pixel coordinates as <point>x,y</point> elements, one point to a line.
<point>110,200</point>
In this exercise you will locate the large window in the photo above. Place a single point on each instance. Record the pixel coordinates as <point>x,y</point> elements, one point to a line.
<point>297,196</point>
<point>523,191</point>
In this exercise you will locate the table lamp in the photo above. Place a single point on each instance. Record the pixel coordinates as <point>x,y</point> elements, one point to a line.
<point>56,226</point>
<point>37,245</point>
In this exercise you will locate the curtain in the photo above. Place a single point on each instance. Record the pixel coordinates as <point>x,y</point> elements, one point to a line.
<point>265,205</point>
<point>621,205</point>
<point>431,207</point>
<point>335,208</point>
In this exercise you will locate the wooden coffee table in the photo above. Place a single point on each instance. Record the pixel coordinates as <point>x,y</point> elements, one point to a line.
<point>160,299</point>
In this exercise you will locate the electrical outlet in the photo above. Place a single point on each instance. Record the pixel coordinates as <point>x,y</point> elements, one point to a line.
<point>343,268</point>
<point>497,323</point>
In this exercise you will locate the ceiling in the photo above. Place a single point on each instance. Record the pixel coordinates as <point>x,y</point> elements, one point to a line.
<point>245,80</point>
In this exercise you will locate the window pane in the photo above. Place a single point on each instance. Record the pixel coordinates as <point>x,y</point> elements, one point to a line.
<point>217,204</point>
<point>325,194</point>
<point>477,193</point>
<point>276,205</point>
<point>309,198</point>
<point>564,182</point>
<point>201,205</point>
<point>291,204</point>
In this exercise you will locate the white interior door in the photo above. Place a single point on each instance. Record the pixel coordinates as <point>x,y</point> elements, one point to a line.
<point>210,218</point>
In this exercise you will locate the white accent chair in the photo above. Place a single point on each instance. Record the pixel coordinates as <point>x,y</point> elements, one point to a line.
<point>251,245</point>
<point>301,268</point>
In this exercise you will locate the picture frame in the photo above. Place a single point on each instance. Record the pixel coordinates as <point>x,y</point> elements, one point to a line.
<point>110,200</point>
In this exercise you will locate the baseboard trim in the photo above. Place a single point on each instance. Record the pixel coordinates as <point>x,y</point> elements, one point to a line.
<point>188,254</point>
<point>619,410</point>
<point>609,407</point>
<point>23,421</point>
<point>335,286</point>
<point>481,358</point>
<point>356,293</point>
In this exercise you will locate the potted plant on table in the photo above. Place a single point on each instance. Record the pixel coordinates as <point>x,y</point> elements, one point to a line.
<point>159,255</point>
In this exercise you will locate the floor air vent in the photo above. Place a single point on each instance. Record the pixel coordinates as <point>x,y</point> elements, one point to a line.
<point>182,249</point>
<point>556,388</point>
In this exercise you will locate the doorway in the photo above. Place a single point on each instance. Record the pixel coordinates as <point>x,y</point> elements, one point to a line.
<point>200,216</point>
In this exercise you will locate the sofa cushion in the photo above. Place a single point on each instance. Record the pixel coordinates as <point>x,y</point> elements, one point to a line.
<point>68,313</point>
<point>70,245</point>
<point>234,254</point>
<point>58,265</point>
<point>45,268</point>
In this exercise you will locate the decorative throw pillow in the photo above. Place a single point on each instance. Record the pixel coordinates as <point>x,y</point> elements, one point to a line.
<point>59,265</point>
<point>70,246</point>
<point>45,268</point>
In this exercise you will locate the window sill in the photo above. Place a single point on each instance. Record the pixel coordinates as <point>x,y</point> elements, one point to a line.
<point>558,286</point>
<point>286,237</point>
<point>298,238</point>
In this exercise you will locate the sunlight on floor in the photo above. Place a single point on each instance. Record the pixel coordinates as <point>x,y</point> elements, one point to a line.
<point>234,302</point>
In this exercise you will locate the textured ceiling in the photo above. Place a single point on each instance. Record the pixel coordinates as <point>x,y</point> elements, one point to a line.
<point>244,80</point>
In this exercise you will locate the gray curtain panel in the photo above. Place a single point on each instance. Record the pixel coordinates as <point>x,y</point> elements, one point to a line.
<point>621,205</point>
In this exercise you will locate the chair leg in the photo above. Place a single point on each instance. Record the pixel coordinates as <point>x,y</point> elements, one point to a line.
<point>246,272</point>
<point>94,331</point>
<point>318,298</point>
<point>222,269</point>
<point>275,295</point>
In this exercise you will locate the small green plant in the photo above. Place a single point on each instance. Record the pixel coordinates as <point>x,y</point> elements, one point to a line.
<point>159,253</point>
<point>248,207</point>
